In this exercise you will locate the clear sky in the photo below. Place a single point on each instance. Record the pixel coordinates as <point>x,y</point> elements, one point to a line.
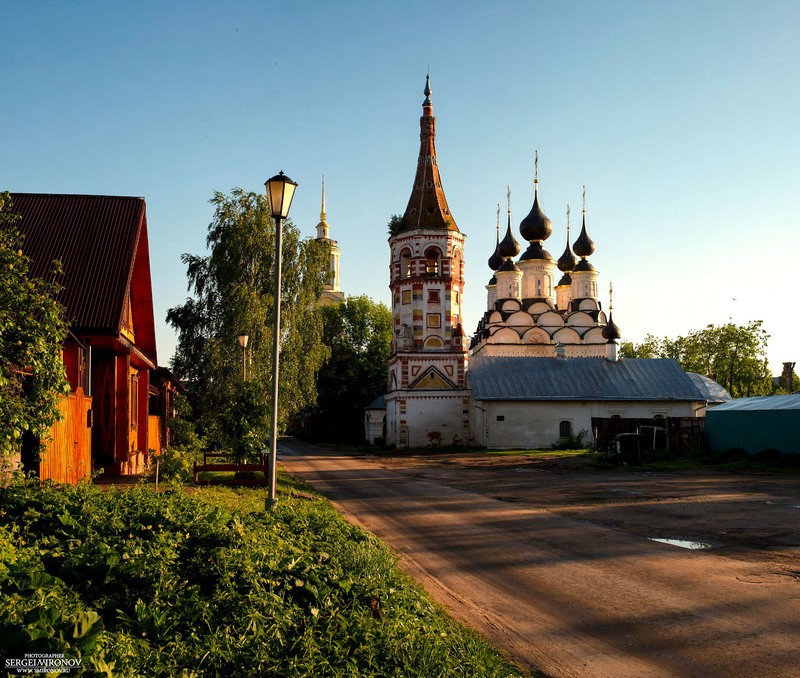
<point>681,118</point>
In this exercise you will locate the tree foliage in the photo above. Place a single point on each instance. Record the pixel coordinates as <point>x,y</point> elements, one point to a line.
<point>359,334</point>
<point>32,331</point>
<point>395,224</point>
<point>232,293</point>
<point>734,355</point>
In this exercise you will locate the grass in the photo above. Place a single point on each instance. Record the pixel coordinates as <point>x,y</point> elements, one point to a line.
<point>538,453</point>
<point>222,476</point>
<point>466,451</point>
<point>204,582</point>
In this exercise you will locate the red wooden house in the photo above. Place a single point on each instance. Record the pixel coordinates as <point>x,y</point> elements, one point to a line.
<point>102,243</point>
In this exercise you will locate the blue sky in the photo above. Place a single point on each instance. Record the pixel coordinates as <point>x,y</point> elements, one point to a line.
<point>680,118</point>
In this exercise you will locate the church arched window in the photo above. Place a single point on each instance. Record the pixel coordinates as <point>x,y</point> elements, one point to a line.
<point>432,263</point>
<point>455,265</point>
<point>405,263</point>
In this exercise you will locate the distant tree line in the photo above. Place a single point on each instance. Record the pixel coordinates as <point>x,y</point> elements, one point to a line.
<point>232,293</point>
<point>733,355</point>
<point>333,359</point>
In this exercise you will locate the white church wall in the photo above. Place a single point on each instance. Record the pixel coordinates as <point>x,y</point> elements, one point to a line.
<point>429,418</point>
<point>536,424</point>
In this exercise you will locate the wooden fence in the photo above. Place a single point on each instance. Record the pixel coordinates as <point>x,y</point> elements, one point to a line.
<point>66,456</point>
<point>681,434</point>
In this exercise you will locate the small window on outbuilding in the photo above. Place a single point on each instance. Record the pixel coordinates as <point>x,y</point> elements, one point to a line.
<point>565,428</point>
<point>501,417</point>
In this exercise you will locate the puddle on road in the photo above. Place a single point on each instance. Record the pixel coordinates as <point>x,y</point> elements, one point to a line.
<point>683,543</point>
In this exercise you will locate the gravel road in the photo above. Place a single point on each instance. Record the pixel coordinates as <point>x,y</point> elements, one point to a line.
<point>554,563</point>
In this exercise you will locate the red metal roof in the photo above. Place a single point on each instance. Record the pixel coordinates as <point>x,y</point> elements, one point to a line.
<point>102,243</point>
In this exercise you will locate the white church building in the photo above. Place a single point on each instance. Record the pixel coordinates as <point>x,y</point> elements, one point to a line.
<point>543,359</point>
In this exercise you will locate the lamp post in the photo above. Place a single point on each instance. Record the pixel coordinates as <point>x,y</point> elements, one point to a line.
<point>280,191</point>
<point>243,338</point>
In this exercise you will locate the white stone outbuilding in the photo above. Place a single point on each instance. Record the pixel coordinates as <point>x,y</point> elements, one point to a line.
<point>531,402</point>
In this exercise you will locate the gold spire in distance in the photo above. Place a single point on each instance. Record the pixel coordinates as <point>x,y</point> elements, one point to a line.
<point>322,211</point>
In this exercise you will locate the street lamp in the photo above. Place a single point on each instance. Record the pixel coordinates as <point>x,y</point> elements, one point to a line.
<point>243,338</point>
<point>280,191</point>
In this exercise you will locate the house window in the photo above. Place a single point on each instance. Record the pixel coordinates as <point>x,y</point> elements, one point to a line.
<point>134,400</point>
<point>501,417</point>
<point>406,296</point>
<point>564,429</point>
<point>433,297</point>
<point>434,320</point>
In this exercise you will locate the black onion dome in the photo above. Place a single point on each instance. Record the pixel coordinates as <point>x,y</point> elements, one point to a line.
<point>611,331</point>
<point>567,261</point>
<point>508,246</point>
<point>566,279</point>
<point>493,280</point>
<point>536,251</point>
<point>536,226</point>
<point>584,245</point>
<point>508,265</point>
<point>495,261</point>
<point>583,265</point>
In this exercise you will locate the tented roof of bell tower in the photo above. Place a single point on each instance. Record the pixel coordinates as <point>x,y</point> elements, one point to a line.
<point>427,207</point>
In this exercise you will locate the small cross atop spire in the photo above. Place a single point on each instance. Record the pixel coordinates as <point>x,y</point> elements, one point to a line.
<point>508,196</point>
<point>567,221</point>
<point>535,168</point>
<point>498,222</point>
<point>584,199</point>
<point>610,297</point>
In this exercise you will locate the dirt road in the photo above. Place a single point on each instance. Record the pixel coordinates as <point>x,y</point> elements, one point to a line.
<point>554,565</point>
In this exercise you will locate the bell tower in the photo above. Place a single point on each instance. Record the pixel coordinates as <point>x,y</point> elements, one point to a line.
<point>331,292</point>
<point>427,403</point>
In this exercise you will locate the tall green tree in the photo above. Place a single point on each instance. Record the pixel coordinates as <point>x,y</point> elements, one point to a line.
<point>232,293</point>
<point>734,355</point>
<point>358,332</point>
<point>32,331</point>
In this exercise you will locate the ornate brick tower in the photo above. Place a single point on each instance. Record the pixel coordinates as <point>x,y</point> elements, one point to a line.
<point>427,403</point>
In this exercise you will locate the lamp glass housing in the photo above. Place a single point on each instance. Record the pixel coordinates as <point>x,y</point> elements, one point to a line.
<point>280,191</point>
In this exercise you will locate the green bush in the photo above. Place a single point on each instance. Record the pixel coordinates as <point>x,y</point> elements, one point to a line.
<point>176,464</point>
<point>166,584</point>
<point>574,441</point>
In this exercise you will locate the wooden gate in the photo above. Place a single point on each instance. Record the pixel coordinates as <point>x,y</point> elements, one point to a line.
<point>66,456</point>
